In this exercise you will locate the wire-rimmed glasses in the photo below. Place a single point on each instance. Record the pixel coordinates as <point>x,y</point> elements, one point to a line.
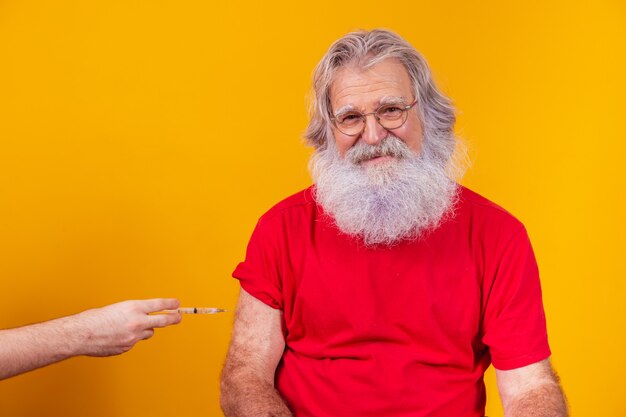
<point>389,116</point>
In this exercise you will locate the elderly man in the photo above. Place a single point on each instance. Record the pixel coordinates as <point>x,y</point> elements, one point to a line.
<point>386,289</point>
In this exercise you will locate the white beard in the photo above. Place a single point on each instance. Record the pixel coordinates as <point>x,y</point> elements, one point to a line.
<point>384,203</point>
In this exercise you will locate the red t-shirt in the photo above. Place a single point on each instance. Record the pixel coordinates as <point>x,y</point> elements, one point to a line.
<point>407,330</point>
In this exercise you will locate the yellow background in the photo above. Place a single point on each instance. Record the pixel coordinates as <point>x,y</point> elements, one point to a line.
<point>141,140</point>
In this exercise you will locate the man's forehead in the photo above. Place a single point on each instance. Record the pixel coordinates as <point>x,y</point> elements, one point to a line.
<point>386,82</point>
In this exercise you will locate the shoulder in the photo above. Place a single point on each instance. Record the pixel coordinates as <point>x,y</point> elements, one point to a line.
<point>478,203</point>
<point>487,223</point>
<point>292,215</point>
<point>296,205</point>
<point>479,209</point>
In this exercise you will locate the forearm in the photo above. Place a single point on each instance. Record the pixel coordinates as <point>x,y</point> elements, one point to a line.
<point>105,331</point>
<point>246,395</point>
<point>546,400</point>
<point>31,347</point>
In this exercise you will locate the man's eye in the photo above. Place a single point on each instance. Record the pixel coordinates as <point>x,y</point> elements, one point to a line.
<point>390,111</point>
<point>349,118</point>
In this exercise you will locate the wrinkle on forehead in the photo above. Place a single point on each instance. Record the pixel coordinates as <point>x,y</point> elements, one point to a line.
<point>353,83</point>
<point>380,102</point>
<point>370,86</point>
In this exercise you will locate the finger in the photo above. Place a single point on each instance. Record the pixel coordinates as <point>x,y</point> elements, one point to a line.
<point>163,320</point>
<point>147,334</point>
<point>158,304</point>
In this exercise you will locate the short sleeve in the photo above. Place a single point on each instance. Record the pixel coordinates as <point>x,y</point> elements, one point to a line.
<point>514,323</point>
<point>259,274</point>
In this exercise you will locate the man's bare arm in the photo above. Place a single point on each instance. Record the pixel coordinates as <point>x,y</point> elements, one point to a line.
<point>531,391</point>
<point>105,331</point>
<point>257,345</point>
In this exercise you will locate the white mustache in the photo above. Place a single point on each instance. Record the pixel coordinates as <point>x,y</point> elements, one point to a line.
<point>390,146</point>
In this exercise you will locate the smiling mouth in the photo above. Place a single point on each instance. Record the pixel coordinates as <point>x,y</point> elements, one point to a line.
<point>378,159</point>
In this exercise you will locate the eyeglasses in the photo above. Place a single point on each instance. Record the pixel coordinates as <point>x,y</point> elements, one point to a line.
<point>389,116</point>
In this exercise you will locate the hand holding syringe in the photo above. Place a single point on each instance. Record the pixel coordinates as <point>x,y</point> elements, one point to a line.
<point>196,310</point>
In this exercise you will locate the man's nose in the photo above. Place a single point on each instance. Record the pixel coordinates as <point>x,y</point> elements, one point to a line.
<point>373,132</point>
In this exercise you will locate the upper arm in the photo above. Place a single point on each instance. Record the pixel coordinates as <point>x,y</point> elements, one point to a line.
<point>257,343</point>
<point>514,383</point>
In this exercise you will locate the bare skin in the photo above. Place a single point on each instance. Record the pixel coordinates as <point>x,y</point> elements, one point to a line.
<point>531,391</point>
<point>105,331</point>
<point>257,344</point>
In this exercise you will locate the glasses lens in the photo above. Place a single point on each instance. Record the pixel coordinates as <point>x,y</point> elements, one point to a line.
<point>391,116</point>
<point>349,123</point>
